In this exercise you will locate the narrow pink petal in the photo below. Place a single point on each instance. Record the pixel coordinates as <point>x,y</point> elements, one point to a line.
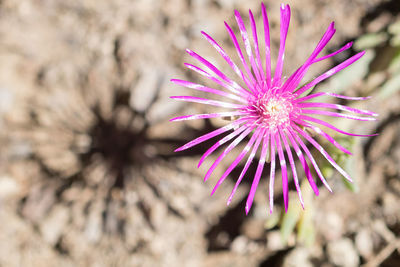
<point>241,57</point>
<point>323,42</point>
<point>304,117</point>
<point>348,97</point>
<point>311,158</point>
<point>246,166</point>
<point>256,180</point>
<point>238,159</point>
<point>327,136</point>
<point>222,52</point>
<point>303,162</point>
<point>256,45</point>
<point>208,102</point>
<point>210,135</point>
<point>236,90</point>
<point>285,19</point>
<point>345,47</point>
<point>247,45</point>
<point>302,99</point>
<point>272,174</point>
<point>206,89</point>
<point>336,106</point>
<point>282,161</point>
<point>267,45</point>
<point>335,114</point>
<point>295,79</point>
<point>293,167</point>
<point>221,142</point>
<point>323,152</point>
<point>215,70</point>
<point>330,72</point>
<point>206,116</point>
<point>227,150</point>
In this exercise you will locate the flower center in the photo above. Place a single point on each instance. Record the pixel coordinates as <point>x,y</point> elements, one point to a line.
<point>274,110</point>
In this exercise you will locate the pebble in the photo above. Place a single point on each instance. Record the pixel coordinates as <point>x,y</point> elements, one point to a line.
<point>297,257</point>
<point>343,253</point>
<point>363,243</point>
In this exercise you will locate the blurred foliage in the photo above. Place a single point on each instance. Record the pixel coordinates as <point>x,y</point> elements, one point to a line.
<point>381,63</point>
<point>370,40</point>
<point>348,162</point>
<point>296,218</point>
<point>382,60</point>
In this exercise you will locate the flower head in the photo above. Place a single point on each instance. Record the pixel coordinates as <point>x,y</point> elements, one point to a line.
<point>272,110</point>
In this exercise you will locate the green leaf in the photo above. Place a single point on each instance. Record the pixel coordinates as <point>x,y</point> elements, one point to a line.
<point>273,220</point>
<point>289,220</point>
<point>394,28</point>
<point>306,229</point>
<point>390,87</point>
<point>345,78</point>
<point>370,40</point>
<point>394,66</point>
<point>395,41</point>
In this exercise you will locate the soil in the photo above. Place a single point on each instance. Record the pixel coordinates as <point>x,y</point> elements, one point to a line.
<point>88,176</point>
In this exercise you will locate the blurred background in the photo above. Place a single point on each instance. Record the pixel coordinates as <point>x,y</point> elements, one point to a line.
<point>88,176</point>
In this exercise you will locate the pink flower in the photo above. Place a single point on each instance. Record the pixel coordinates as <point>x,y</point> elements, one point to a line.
<point>270,109</point>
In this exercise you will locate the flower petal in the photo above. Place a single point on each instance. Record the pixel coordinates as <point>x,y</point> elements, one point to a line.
<point>302,99</point>
<point>282,162</point>
<point>210,135</point>
<point>336,106</point>
<point>315,120</point>
<point>256,46</point>
<point>311,158</point>
<point>345,47</point>
<point>214,69</point>
<point>293,166</point>
<point>221,142</point>
<point>205,101</point>
<point>335,114</point>
<point>295,79</point>
<point>267,45</point>
<point>327,136</point>
<point>206,89</point>
<point>238,159</point>
<point>330,72</point>
<point>236,90</point>
<point>272,174</point>
<point>256,180</point>
<point>206,116</point>
<point>285,20</point>
<point>227,150</point>
<point>247,45</point>
<point>323,152</point>
<point>246,166</point>
<point>230,62</point>
<point>241,57</point>
<point>303,162</point>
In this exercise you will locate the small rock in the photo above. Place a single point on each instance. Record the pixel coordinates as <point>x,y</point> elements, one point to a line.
<point>297,257</point>
<point>332,228</point>
<point>8,187</point>
<point>145,90</point>
<point>343,253</point>
<point>239,245</point>
<point>6,99</point>
<point>363,243</point>
<point>254,229</point>
<point>274,241</point>
<point>93,228</point>
<point>53,226</point>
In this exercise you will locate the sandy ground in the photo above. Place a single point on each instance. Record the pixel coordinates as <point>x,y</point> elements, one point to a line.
<point>88,176</point>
